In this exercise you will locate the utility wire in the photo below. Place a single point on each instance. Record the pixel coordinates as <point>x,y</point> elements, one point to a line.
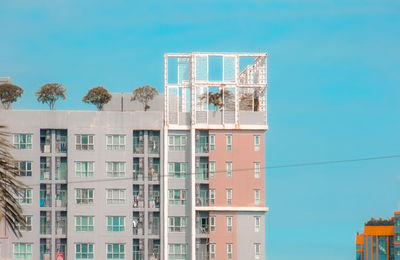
<point>89,180</point>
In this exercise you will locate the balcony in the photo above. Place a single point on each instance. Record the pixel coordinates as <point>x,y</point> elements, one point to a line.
<point>61,223</point>
<point>61,195</point>
<point>61,168</point>
<point>138,196</point>
<point>138,223</point>
<point>61,141</point>
<point>154,223</point>
<point>202,173</point>
<point>202,248</point>
<point>61,246</point>
<point>45,168</point>
<point>201,141</point>
<point>154,169</point>
<point>45,195</point>
<point>45,249</point>
<point>45,222</point>
<point>154,196</point>
<point>45,140</point>
<point>138,142</point>
<point>202,195</point>
<point>154,142</point>
<point>138,249</point>
<point>154,249</point>
<point>138,169</point>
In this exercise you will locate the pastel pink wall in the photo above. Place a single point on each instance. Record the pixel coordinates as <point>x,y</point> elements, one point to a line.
<point>221,236</point>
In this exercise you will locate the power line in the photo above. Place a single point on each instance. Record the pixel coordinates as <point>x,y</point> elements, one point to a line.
<point>88,180</point>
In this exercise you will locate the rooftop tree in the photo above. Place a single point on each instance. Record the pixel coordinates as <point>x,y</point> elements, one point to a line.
<point>50,93</point>
<point>144,95</point>
<point>98,96</point>
<point>9,93</point>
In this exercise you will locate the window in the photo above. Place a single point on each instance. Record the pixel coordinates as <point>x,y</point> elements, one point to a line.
<point>257,224</point>
<point>256,143</point>
<point>229,169</point>
<point>115,142</point>
<point>115,223</point>
<point>115,251</point>
<point>212,223</point>
<point>212,251</point>
<point>257,249</point>
<point>397,251</point>
<point>84,196</point>
<point>25,196</point>
<point>212,196</point>
<point>177,170</point>
<point>257,197</point>
<point>115,196</point>
<point>84,223</point>
<point>25,168</point>
<point>84,169</point>
<point>229,223</point>
<point>177,251</point>
<point>28,220</point>
<point>229,196</point>
<point>22,141</point>
<point>115,169</point>
<point>212,142</point>
<point>177,142</point>
<point>229,250</point>
<point>22,250</point>
<point>257,170</point>
<point>84,251</point>
<point>84,142</point>
<point>177,197</point>
<point>177,224</point>
<point>212,169</point>
<point>228,142</point>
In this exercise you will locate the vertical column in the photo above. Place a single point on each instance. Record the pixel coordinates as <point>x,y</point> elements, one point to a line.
<point>146,194</point>
<point>237,89</point>
<point>192,193</point>
<point>164,200</point>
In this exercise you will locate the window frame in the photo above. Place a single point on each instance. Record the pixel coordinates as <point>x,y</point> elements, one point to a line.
<point>257,142</point>
<point>120,146</point>
<point>27,145</point>
<point>23,197</point>
<point>28,220</point>
<point>172,227</point>
<point>257,197</point>
<point>26,170</point>
<point>212,196</point>
<point>174,146</point>
<point>89,172</point>
<point>229,196</point>
<point>26,254</point>
<point>89,246</point>
<point>89,199</point>
<point>229,224</point>
<point>229,166</point>
<point>89,146</point>
<point>121,199</point>
<point>229,142</point>
<point>177,254</point>
<point>213,223</point>
<point>113,173</point>
<point>257,224</point>
<point>257,251</point>
<point>120,227</point>
<point>213,251</point>
<point>257,170</point>
<point>211,169</point>
<point>211,141</point>
<point>172,173</point>
<point>172,200</point>
<point>119,254</point>
<point>229,250</point>
<point>89,226</point>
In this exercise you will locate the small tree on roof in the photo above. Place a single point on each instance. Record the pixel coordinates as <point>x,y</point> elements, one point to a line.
<point>144,95</point>
<point>98,96</point>
<point>50,93</point>
<point>9,93</point>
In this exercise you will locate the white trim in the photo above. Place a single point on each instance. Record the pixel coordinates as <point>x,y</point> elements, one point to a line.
<point>222,208</point>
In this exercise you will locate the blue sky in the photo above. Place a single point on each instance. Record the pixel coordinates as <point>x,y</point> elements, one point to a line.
<point>333,91</point>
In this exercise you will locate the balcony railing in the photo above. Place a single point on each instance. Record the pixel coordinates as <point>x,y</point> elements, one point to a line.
<point>138,228</point>
<point>154,229</point>
<point>138,201</point>
<point>202,229</point>
<point>202,201</point>
<point>45,228</point>
<point>61,168</point>
<point>202,148</point>
<point>61,227</point>
<point>138,254</point>
<point>202,174</point>
<point>138,175</point>
<point>154,144</point>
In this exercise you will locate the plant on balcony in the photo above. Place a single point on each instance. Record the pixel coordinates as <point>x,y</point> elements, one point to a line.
<point>10,209</point>
<point>144,95</point>
<point>50,93</point>
<point>97,96</point>
<point>9,93</point>
<point>217,98</point>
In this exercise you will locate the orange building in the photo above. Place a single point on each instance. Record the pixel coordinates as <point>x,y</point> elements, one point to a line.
<point>380,239</point>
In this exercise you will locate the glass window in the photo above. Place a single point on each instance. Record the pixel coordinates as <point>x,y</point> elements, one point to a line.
<point>22,250</point>
<point>115,142</point>
<point>84,251</point>
<point>115,169</point>
<point>256,143</point>
<point>212,169</point>
<point>25,196</point>
<point>257,249</point>
<point>229,223</point>
<point>229,169</point>
<point>115,196</point>
<point>228,142</point>
<point>229,250</point>
<point>177,142</point>
<point>177,170</point>
<point>177,224</point>
<point>229,196</point>
<point>177,197</point>
<point>213,251</point>
<point>212,142</point>
<point>212,196</point>
<point>115,223</point>
<point>84,196</point>
<point>22,141</point>
<point>84,223</point>
<point>115,251</point>
<point>257,197</point>
<point>25,168</point>
<point>212,223</point>
<point>257,170</point>
<point>84,169</point>
<point>84,142</point>
<point>257,224</point>
<point>28,220</point>
<point>177,251</point>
